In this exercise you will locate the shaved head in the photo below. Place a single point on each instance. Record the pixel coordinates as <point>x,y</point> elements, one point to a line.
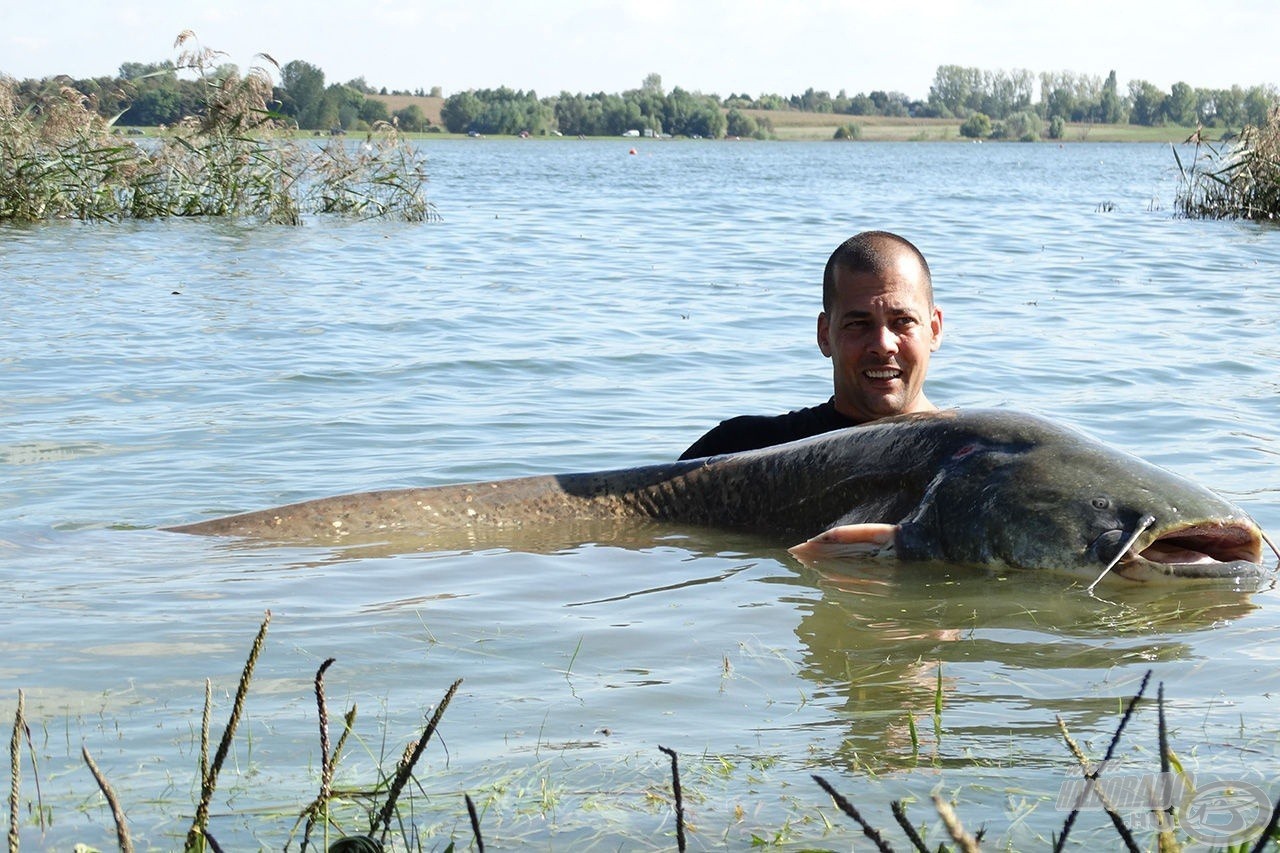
<point>873,252</point>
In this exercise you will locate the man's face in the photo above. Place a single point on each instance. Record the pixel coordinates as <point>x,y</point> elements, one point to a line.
<point>879,335</point>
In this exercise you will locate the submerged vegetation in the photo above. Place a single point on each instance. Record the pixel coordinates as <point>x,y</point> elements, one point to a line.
<point>60,159</point>
<point>1235,180</point>
<point>342,819</point>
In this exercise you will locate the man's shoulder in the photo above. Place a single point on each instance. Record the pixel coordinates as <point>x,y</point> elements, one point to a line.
<point>823,415</point>
<point>750,432</point>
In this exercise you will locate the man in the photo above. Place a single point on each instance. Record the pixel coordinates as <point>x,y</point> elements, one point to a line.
<point>878,326</point>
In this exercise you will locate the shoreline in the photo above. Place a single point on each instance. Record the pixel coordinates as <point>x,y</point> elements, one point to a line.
<point>798,126</point>
<point>899,130</point>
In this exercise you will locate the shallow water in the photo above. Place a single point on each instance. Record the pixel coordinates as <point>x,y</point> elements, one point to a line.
<point>581,308</point>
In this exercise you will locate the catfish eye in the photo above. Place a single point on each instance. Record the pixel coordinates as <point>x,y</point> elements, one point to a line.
<point>1101,503</point>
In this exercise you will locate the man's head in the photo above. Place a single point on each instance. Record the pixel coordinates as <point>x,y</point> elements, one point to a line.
<point>878,325</point>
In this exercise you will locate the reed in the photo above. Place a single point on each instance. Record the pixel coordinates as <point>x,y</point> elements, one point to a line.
<point>59,159</point>
<point>1238,180</point>
<point>15,772</point>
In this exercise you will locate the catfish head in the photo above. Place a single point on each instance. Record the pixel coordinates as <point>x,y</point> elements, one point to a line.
<point>1050,498</point>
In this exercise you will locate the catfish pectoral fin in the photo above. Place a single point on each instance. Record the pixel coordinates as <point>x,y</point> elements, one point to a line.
<point>849,540</point>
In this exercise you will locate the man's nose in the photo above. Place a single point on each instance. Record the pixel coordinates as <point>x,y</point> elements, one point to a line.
<point>884,341</point>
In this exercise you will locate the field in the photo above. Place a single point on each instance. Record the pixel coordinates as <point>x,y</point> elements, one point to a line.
<point>430,106</point>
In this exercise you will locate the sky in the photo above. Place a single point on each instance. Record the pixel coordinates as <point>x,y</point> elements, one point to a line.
<point>712,46</point>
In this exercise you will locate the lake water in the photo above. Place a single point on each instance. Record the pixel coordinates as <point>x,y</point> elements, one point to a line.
<point>580,308</point>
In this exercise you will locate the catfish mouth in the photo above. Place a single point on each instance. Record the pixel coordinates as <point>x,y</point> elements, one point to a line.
<point>1210,550</point>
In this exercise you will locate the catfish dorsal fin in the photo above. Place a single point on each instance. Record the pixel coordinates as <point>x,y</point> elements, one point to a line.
<point>849,540</point>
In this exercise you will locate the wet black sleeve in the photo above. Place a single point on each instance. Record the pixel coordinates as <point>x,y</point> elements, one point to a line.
<point>750,432</point>
<point>747,432</point>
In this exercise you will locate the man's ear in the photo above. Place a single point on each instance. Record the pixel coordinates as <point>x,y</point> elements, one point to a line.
<point>824,334</point>
<point>936,324</point>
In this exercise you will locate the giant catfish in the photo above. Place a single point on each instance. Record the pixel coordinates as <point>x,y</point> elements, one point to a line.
<point>979,487</point>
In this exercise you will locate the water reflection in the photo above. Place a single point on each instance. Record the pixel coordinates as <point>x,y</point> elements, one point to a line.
<point>1015,650</point>
<point>1014,647</point>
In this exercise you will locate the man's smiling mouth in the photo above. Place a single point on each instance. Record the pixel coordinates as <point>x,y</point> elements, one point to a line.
<point>882,373</point>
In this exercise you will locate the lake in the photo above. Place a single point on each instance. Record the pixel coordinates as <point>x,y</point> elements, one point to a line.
<point>580,307</point>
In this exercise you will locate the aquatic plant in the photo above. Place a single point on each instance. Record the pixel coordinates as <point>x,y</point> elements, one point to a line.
<point>1238,179</point>
<point>330,809</point>
<point>59,159</point>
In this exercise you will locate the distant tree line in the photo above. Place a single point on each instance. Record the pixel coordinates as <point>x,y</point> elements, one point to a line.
<point>962,92</point>
<point>1014,104</point>
<point>647,109</point>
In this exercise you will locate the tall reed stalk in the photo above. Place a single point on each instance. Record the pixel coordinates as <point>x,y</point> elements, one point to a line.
<point>1233,181</point>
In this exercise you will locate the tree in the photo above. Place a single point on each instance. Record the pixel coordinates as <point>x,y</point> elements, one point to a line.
<point>956,90</point>
<point>1024,126</point>
<point>303,93</point>
<point>861,105</point>
<point>1148,103</point>
<point>1110,108</point>
<point>1058,97</point>
<point>1005,92</point>
<point>139,70</point>
<point>460,111</point>
<point>738,123</point>
<point>1180,106</point>
<point>374,110</point>
<point>1228,106</point>
<point>619,115</point>
<point>708,120</point>
<point>976,126</point>
<point>411,118</point>
<point>153,108</point>
<point>1258,102</point>
<point>814,101</point>
<point>341,107</point>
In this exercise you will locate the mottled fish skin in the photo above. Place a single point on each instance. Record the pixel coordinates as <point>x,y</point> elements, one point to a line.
<point>980,487</point>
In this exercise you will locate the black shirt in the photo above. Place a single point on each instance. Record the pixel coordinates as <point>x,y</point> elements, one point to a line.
<point>749,432</point>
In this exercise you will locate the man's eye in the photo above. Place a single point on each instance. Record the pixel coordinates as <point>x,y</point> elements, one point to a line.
<point>905,322</point>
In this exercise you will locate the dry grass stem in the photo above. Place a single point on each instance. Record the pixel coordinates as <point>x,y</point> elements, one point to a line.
<point>407,763</point>
<point>955,829</point>
<point>204,729</point>
<point>1091,774</point>
<point>209,782</point>
<point>847,807</point>
<point>900,815</point>
<point>117,813</point>
<point>475,823</point>
<point>327,760</point>
<point>677,794</point>
<point>15,772</point>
